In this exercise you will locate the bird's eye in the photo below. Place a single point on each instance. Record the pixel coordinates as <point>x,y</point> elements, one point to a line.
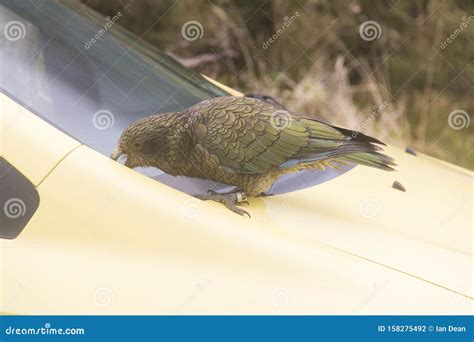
<point>137,145</point>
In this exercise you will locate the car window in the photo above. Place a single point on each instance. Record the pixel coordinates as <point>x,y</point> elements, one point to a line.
<point>90,78</point>
<point>90,90</point>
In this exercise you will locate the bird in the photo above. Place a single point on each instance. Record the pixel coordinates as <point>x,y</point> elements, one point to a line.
<point>243,142</point>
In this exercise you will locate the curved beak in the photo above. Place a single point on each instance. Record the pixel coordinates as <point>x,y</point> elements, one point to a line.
<point>117,152</point>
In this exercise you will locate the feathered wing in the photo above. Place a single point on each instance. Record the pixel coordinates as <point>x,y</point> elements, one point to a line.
<point>250,136</point>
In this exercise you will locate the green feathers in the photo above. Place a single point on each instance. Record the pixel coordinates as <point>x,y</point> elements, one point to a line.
<point>243,142</point>
<point>253,137</point>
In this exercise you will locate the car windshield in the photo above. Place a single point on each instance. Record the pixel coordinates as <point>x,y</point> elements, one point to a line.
<point>90,78</point>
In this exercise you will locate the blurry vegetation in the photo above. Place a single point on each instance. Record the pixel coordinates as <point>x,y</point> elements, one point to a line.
<point>400,87</point>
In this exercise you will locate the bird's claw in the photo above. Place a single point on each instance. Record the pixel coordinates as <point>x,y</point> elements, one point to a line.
<point>231,205</point>
<point>231,200</point>
<point>239,211</point>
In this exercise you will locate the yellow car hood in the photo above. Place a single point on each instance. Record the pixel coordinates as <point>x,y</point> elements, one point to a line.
<point>106,239</point>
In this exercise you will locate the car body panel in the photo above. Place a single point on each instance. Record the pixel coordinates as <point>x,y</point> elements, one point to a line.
<point>107,239</point>
<point>29,143</point>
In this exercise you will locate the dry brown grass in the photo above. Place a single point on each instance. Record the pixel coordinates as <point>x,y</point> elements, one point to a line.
<point>399,88</point>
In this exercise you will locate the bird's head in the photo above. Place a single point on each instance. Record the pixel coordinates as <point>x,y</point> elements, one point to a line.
<point>144,142</point>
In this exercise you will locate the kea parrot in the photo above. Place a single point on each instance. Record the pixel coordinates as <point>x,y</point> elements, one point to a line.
<point>244,142</point>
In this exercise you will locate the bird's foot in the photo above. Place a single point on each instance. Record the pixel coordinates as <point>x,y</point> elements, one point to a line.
<point>231,200</point>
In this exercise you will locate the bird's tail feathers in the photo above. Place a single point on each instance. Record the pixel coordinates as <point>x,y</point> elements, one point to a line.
<point>351,151</point>
<point>373,159</point>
